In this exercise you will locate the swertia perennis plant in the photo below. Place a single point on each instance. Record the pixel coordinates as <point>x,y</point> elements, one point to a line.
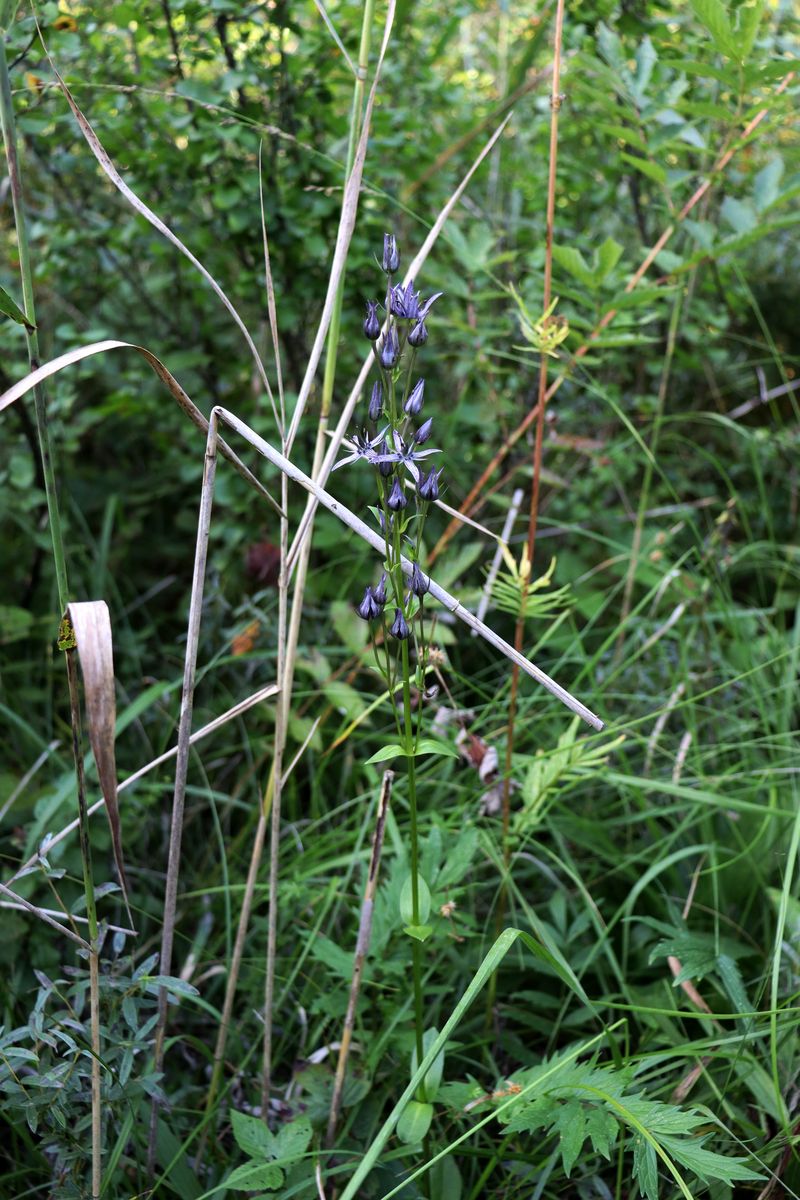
<point>394,446</point>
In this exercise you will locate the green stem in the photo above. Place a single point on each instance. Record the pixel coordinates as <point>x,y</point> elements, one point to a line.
<point>29,308</point>
<point>416,948</point>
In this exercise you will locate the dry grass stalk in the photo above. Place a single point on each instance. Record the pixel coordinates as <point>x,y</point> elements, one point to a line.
<point>182,764</point>
<point>362,945</point>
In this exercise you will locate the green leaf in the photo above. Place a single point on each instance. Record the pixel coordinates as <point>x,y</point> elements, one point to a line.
<point>651,169</point>
<point>424,898</point>
<point>749,21</point>
<point>739,214</point>
<point>414,1122</point>
<point>766,182</point>
<point>420,933</point>
<point>571,1126</point>
<point>424,746</point>
<point>711,13</point>
<point>601,1129</point>
<point>11,309</point>
<point>252,1136</point>
<point>608,256</point>
<point>573,261</point>
<point>645,1168</point>
<point>253,1175</point>
<point>430,1084</point>
<point>292,1140</point>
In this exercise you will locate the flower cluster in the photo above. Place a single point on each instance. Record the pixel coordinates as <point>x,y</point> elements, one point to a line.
<point>395,443</point>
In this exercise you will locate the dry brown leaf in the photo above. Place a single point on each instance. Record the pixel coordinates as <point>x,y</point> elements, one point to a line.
<point>91,625</point>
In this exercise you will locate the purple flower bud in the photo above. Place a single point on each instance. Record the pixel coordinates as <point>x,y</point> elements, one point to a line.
<point>424,431</point>
<point>385,468</point>
<point>391,255</point>
<point>418,335</point>
<point>419,583</point>
<point>397,497</point>
<point>368,609</point>
<point>413,405</point>
<point>399,626</point>
<point>390,350</point>
<point>428,488</point>
<point>372,325</point>
<point>375,403</point>
<point>379,591</point>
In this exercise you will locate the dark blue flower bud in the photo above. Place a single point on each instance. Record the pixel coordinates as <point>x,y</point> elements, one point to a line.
<point>368,609</point>
<point>418,335</point>
<point>390,350</point>
<point>372,325</point>
<point>375,403</point>
<point>391,255</point>
<point>385,468</point>
<point>399,626</point>
<point>397,497</point>
<point>379,591</point>
<point>424,431</point>
<point>413,405</point>
<point>428,487</point>
<point>419,584</point>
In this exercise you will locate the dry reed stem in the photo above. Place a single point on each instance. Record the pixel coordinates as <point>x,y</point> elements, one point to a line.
<point>362,946</point>
<point>264,693</point>
<point>508,525</point>
<point>182,764</point>
<point>43,915</point>
<point>71,357</point>
<point>378,544</point>
<point>533,517</point>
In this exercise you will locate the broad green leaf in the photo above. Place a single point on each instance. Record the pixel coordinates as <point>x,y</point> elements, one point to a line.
<point>646,167</point>
<point>425,746</point>
<point>573,261</point>
<point>254,1175</point>
<point>406,897</point>
<point>430,1084</point>
<point>766,184</point>
<point>645,1168</point>
<point>415,1122</point>
<point>739,214</point>
<point>11,309</point>
<point>446,1180</point>
<point>608,256</point>
<point>420,933</point>
<point>252,1136</point>
<point>292,1140</point>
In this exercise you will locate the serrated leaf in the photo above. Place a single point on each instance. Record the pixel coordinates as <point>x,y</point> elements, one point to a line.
<point>749,19</point>
<point>571,1127</point>
<point>414,1122</point>
<point>711,13</point>
<point>601,1129</point>
<point>645,1167</point>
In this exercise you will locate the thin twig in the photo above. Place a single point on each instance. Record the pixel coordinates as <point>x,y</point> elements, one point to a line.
<point>511,516</point>
<point>43,914</point>
<point>362,946</point>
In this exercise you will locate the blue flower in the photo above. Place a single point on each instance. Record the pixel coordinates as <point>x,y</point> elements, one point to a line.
<point>418,335</point>
<point>428,488</point>
<point>419,583</point>
<point>399,627</point>
<point>406,455</point>
<point>391,255</point>
<point>361,445</point>
<point>397,498</point>
<point>375,402</point>
<point>390,349</point>
<point>368,608</point>
<point>404,302</point>
<point>372,324</point>
<point>413,404</point>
